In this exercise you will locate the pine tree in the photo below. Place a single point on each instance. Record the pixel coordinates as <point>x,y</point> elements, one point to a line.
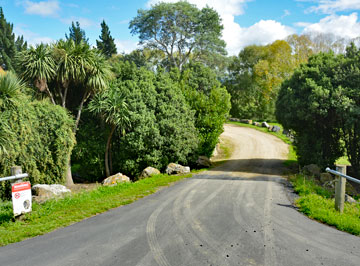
<point>7,43</point>
<point>106,44</point>
<point>20,44</point>
<point>76,33</point>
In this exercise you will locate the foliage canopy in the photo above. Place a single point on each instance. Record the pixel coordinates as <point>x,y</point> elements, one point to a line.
<point>180,30</point>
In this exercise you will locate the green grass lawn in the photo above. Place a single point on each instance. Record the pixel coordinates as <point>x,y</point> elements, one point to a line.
<point>58,213</point>
<point>292,158</point>
<point>318,203</point>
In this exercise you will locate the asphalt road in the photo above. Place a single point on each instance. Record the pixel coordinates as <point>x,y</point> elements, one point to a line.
<point>237,214</point>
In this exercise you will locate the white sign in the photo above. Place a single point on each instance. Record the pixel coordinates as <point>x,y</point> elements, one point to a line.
<point>21,197</point>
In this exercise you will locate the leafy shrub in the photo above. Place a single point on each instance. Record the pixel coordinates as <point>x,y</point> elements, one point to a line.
<point>308,104</point>
<point>161,128</point>
<point>87,157</point>
<point>39,136</point>
<point>209,101</point>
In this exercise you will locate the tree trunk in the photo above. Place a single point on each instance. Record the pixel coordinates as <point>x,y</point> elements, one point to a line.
<point>110,159</point>
<point>108,150</point>
<point>83,100</point>
<point>69,180</point>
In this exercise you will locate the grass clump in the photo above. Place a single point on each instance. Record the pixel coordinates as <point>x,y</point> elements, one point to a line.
<point>58,213</point>
<point>318,203</point>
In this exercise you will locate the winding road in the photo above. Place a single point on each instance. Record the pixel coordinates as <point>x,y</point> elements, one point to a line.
<point>235,214</point>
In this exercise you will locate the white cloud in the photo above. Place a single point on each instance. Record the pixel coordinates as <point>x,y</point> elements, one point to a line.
<point>330,7</point>
<point>261,33</point>
<point>84,22</point>
<point>42,8</point>
<point>235,36</point>
<point>32,38</point>
<point>125,46</point>
<point>302,24</point>
<point>343,26</point>
<point>286,13</point>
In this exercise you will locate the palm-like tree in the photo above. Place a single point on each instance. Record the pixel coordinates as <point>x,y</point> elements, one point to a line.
<point>10,90</point>
<point>81,65</point>
<point>38,66</point>
<point>111,105</point>
<point>72,67</point>
<point>10,95</point>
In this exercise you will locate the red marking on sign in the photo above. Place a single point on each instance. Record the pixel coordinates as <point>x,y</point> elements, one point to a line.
<point>17,195</point>
<point>21,186</point>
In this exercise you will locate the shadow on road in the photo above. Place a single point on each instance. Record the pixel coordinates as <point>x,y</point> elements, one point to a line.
<point>237,177</point>
<point>258,166</point>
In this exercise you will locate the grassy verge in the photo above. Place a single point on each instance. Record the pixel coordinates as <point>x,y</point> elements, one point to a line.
<point>292,158</point>
<point>318,203</point>
<point>225,150</point>
<point>62,212</point>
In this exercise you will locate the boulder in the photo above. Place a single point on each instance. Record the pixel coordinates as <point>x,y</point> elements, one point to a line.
<point>312,169</point>
<point>264,124</point>
<point>350,189</point>
<point>350,199</point>
<point>203,161</point>
<point>276,129</point>
<point>174,168</point>
<point>326,177</point>
<point>286,132</point>
<point>256,124</point>
<point>115,179</point>
<point>234,119</point>
<point>43,192</point>
<point>246,121</point>
<point>217,149</point>
<point>149,171</point>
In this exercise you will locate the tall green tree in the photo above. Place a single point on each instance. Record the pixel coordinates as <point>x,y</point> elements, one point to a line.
<point>20,44</point>
<point>180,30</point>
<point>309,104</point>
<point>107,43</point>
<point>348,75</point>
<point>208,99</point>
<point>76,33</point>
<point>255,77</point>
<point>37,65</point>
<point>7,43</point>
<point>112,106</point>
<point>75,72</point>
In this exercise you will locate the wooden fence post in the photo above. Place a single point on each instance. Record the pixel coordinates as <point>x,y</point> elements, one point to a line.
<point>16,170</point>
<point>340,189</point>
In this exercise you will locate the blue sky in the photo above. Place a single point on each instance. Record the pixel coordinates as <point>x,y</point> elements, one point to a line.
<point>245,21</point>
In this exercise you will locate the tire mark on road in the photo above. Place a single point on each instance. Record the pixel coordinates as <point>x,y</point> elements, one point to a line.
<point>190,229</point>
<point>270,255</point>
<point>154,245</point>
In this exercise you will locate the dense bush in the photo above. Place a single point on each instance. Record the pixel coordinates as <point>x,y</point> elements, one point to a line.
<point>161,128</point>
<point>38,134</point>
<point>209,101</point>
<point>88,155</point>
<point>308,103</point>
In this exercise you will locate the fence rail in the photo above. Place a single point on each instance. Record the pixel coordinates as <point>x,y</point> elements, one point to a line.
<point>14,177</point>
<point>342,175</point>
